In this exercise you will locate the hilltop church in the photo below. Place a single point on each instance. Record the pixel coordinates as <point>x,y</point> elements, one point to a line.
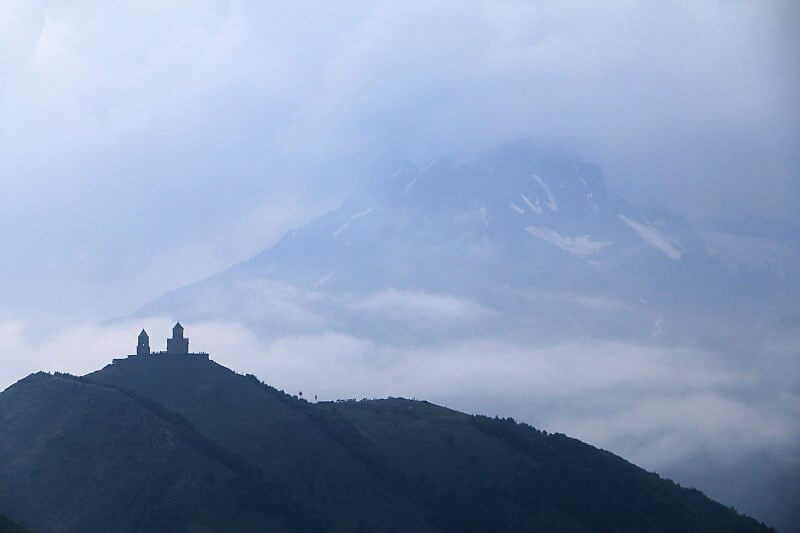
<point>176,345</point>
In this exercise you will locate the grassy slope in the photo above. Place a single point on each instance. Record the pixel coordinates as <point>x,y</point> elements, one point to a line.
<point>75,456</point>
<point>273,431</point>
<point>9,526</point>
<point>396,464</point>
<point>483,473</point>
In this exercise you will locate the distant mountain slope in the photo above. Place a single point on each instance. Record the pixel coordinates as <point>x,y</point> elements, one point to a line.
<point>529,250</point>
<point>500,230</point>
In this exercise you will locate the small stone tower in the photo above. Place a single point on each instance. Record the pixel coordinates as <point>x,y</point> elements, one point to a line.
<point>177,344</point>
<point>143,346</point>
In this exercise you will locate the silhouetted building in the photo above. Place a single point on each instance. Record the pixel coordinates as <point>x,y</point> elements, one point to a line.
<point>143,346</point>
<point>177,344</point>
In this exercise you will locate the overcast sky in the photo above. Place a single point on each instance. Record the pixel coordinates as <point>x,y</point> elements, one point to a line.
<point>145,144</point>
<point>148,144</point>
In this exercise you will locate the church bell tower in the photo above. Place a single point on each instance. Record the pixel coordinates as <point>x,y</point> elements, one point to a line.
<point>177,344</point>
<point>143,346</point>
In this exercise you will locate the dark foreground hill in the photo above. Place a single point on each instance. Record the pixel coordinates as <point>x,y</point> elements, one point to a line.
<point>171,443</point>
<point>9,526</point>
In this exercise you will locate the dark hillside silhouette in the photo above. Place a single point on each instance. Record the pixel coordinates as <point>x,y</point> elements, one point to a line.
<point>9,526</point>
<point>177,443</point>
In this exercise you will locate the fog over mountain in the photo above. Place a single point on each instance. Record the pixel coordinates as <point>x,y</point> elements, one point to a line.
<point>166,142</point>
<point>519,281</point>
<point>581,216</point>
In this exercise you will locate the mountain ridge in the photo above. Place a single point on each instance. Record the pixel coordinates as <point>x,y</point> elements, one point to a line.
<point>376,465</point>
<point>488,231</point>
<point>529,250</point>
<point>10,526</point>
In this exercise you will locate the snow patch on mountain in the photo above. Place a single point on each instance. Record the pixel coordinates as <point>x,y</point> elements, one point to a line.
<point>551,200</point>
<point>653,237</point>
<point>658,328</point>
<point>536,208</point>
<point>581,246</point>
<point>344,226</point>
<point>591,202</point>
<point>323,279</point>
<point>410,184</point>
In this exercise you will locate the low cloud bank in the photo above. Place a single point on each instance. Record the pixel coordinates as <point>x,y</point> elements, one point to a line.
<point>654,405</point>
<point>413,306</point>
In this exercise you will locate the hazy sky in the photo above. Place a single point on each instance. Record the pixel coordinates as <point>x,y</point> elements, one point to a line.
<point>148,143</point>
